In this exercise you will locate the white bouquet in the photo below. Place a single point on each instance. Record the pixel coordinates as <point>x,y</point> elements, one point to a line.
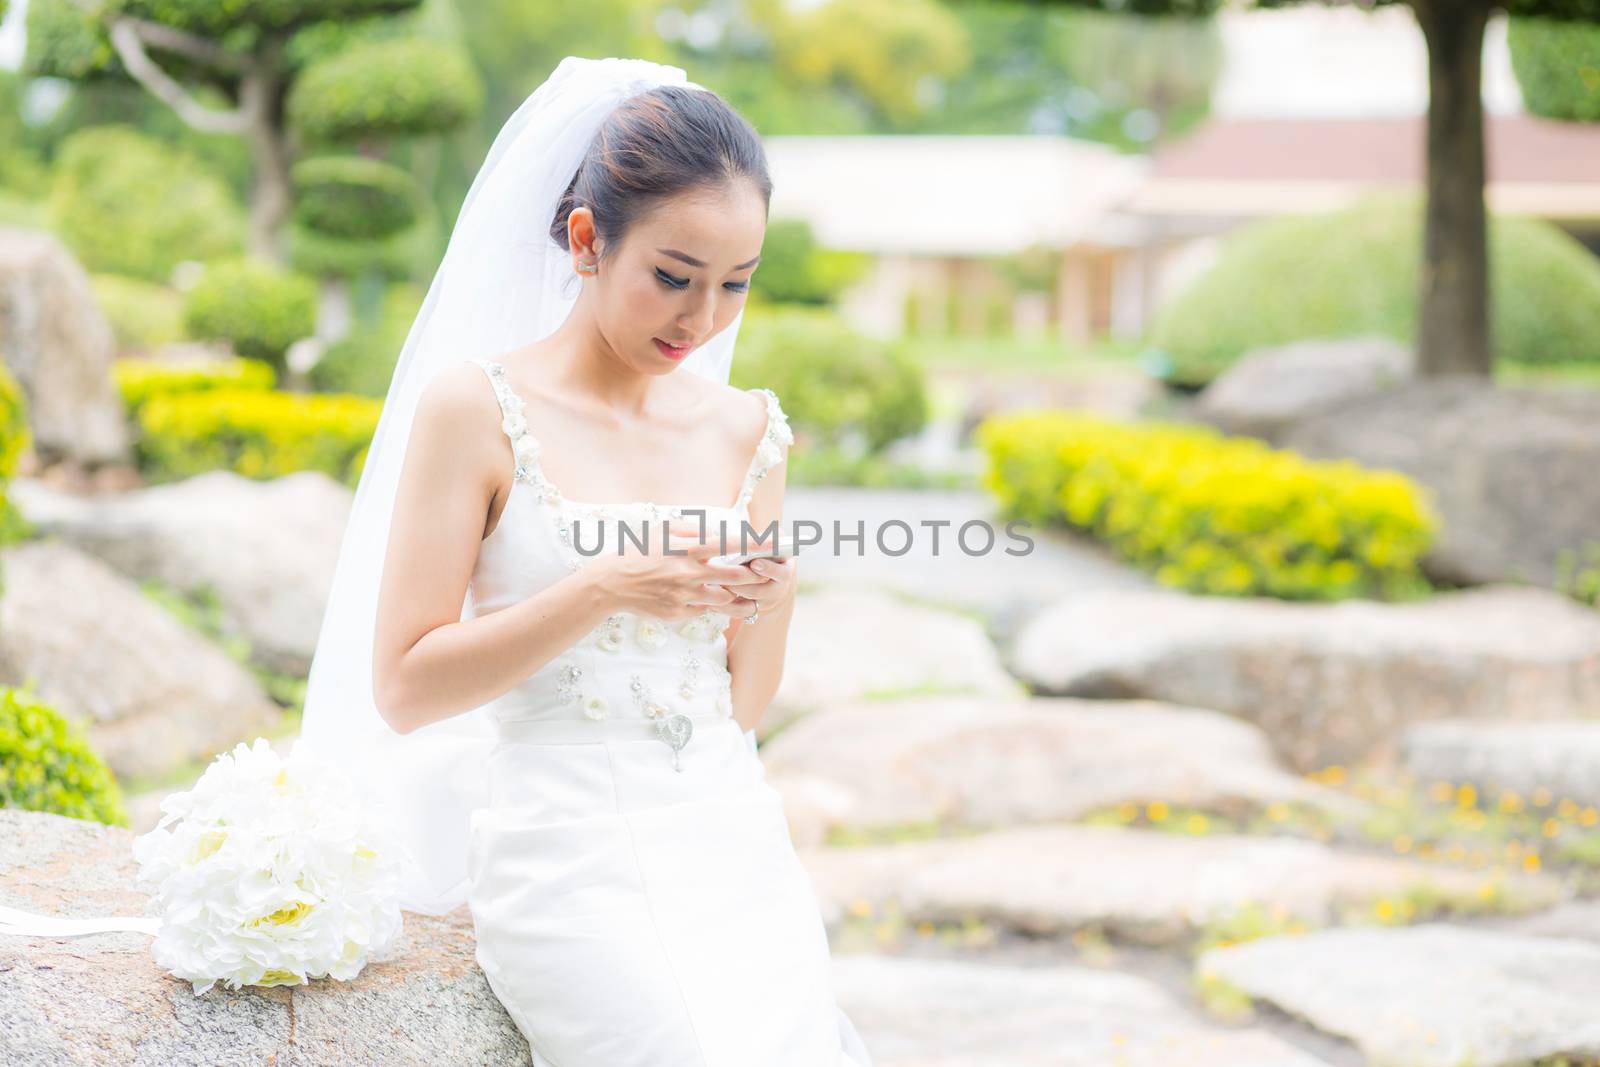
<point>270,872</point>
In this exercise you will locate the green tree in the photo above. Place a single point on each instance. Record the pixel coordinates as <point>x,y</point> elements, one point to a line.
<point>296,78</point>
<point>1453,286</point>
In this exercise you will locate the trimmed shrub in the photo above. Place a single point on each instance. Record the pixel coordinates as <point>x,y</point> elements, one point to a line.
<point>256,433</point>
<point>382,89</point>
<point>364,361</point>
<point>143,315</point>
<point>259,308</point>
<point>129,204</point>
<point>794,270</point>
<point>138,380</point>
<point>353,197</point>
<point>835,384</point>
<point>47,764</point>
<point>1557,64</point>
<point>1354,272</point>
<point>1213,514</point>
<point>207,17</point>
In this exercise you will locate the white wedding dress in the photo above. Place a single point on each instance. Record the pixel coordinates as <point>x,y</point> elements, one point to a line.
<point>637,904</point>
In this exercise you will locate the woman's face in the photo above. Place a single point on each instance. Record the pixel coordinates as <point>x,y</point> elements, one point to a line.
<point>679,277</point>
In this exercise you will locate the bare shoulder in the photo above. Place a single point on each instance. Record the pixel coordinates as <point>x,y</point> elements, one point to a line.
<point>742,413</point>
<point>457,411</point>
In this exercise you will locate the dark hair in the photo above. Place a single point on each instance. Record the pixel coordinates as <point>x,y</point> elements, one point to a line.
<point>654,146</point>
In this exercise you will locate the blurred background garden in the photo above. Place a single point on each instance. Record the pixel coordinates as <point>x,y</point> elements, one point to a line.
<point>1277,323</point>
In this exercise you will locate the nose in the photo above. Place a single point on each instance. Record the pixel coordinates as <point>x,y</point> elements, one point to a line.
<point>702,315</point>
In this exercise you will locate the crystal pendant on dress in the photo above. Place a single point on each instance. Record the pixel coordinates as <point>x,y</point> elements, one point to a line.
<point>675,730</point>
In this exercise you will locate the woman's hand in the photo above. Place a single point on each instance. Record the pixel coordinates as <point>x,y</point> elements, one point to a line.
<point>673,587</point>
<point>773,586</point>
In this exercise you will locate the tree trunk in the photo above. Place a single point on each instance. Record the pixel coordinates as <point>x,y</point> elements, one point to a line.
<point>261,94</point>
<point>1453,294</point>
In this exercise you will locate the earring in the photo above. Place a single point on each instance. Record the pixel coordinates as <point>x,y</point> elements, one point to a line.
<point>585,268</point>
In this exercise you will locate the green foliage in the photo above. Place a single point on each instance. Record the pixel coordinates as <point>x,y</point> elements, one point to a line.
<point>1557,66</point>
<point>399,88</point>
<point>363,362</point>
<point>395,257</point>
<point>353,197</point>
<point>143,315</point>
<point>210,18</point>
<point>138,380</point>
<point>14,435</point>
<point>259,308</point>
<point>22,171</point>
<point>14,441</point>
<point>256,433</point>
<point>1140,77</point>
<point>47,764</point>
<point>1213,514</point>
<point>65,42</point>
<point>794,270</point>
<point>128,204</point>
<point>836,385</point>
<point>1578,576</point>
<point>1354,272</point>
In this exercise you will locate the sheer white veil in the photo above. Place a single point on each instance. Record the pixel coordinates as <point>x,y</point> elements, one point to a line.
<point>504,283</point>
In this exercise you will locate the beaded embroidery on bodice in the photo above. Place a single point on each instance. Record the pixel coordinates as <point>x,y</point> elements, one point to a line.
<point>630,665</point>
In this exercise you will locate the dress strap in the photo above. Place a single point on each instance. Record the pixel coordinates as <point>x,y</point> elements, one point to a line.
<point>515,426</point>
<point>772,449</point>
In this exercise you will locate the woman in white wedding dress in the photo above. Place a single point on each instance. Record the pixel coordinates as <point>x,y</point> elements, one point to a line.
<point>635,893</point>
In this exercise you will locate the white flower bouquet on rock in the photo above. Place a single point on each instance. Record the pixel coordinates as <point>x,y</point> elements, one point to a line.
<point>270,871</point>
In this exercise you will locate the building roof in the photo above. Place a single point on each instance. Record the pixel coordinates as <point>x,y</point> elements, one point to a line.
<point>1272,165</point>
<point>947,195</point>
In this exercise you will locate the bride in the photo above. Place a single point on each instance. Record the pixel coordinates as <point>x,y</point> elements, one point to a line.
<point>560,721</point>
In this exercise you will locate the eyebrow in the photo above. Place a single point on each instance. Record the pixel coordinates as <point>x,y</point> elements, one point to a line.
<point>687,258</point>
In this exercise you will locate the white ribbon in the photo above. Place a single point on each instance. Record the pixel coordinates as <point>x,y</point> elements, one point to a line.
<point>31,924</point>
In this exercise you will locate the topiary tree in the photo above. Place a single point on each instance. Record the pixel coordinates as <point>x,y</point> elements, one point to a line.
<point>1453,284</point>
<point>305,78</point>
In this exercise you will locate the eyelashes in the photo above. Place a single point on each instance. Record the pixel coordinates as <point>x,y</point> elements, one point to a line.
<point>683,283</point>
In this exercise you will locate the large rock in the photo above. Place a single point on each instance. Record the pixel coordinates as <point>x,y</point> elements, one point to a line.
<point>266,549</point>
<point>1136,885</point>
<point>1512,470</point>
<point>1523,757</point>
<point>1329,683</point>
<point>948,1013</point>
<point>979,763</point>
<point>1269,389</point>
<point>102,998</point>
<point>154,692</point>
<point>1432,995</point>
<point>849,644</point>
<point>59,347</point>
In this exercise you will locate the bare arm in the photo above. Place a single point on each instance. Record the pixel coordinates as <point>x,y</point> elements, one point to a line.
<point>756,652</point>
<point>428,664</point>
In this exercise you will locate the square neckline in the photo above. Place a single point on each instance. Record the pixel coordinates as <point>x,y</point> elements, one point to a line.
<point>741,501</point>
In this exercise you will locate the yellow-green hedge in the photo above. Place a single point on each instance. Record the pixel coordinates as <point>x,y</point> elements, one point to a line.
<point>139,379</point>
<point>47,764</point>
<point>259,434</point>
<point>15,439</point>
<point>1210,513</point>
